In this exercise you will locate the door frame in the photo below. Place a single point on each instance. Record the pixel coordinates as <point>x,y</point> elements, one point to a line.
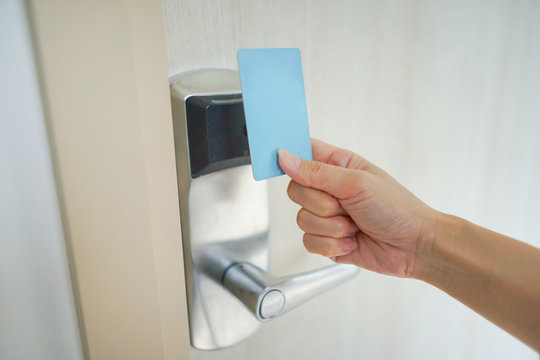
<point>103,72</point>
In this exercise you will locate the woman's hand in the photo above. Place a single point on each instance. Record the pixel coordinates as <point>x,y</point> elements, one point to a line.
<point>354,212</point>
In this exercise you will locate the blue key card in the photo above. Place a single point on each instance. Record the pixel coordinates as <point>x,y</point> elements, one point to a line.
<point>275,107</point>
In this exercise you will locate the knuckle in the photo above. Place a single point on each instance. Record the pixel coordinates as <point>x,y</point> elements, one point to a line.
<point>307,240</point>
<point>315,246</point>
<point>340,228</point>
<point>291,190</point>
<point>326,250</point>
<point>341,158</point>
<point>314,168</point>
<point>335,206</point>
<point>301,218</point>
<point>329,207</point>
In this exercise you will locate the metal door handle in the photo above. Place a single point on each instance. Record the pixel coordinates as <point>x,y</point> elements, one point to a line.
<point>268,297</point>
<point>225,220</point>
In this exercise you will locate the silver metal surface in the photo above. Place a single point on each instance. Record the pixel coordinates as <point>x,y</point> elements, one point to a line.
<point>225,226</point>
<point>268,297</point>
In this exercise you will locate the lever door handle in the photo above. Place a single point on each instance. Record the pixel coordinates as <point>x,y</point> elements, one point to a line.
<point>268,297</point>
<point>225,220</point>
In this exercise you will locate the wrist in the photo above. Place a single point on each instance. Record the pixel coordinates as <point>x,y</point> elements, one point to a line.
<point>439,230</point>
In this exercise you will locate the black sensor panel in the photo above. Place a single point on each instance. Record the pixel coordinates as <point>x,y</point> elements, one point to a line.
<point>216,133</point>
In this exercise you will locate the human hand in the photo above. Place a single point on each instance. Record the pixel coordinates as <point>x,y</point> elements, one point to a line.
<point>355,213</point>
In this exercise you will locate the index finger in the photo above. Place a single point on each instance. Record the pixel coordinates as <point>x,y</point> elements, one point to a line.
<point>324,152</point>
<point>333,155</point>
<point>316,201</point>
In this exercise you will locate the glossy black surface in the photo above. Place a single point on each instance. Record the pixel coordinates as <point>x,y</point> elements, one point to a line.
<point>217,133</point>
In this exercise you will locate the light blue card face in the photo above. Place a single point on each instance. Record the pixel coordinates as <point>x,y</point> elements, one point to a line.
<point>275,107</point>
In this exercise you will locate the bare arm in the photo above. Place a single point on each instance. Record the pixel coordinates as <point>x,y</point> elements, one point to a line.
<point>496,276</point>
<point>354,212</point>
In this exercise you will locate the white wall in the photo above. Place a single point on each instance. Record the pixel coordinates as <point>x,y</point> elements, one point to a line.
<point>37,312</point>
<point>445,95</point>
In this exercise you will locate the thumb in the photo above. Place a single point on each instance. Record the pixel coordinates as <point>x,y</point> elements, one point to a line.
<point>340,182</point>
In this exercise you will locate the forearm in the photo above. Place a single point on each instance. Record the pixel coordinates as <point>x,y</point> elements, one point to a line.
<point>496,276</point>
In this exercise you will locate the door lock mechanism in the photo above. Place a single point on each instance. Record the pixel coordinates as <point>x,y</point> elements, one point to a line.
<point>225,218</point>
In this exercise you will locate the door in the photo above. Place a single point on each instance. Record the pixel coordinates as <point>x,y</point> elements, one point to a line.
<point>441,95</point>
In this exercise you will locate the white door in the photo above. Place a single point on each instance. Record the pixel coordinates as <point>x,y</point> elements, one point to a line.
<point>443,95</point>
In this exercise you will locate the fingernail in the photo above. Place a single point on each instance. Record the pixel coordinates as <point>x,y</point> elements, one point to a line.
<point>290,159</point>
<point>349,244</point>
